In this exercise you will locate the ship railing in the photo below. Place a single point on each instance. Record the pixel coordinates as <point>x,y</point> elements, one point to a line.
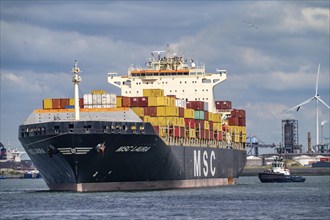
<point>194,142</point>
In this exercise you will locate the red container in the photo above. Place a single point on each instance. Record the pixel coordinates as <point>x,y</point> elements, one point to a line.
<point>201,134</point>
<point>64,102</point>
<point>241,122</point>
<point>218,135</point>
<point>143,101</point>
<point>241,113</point>
<point>199,124</point>
<point>178,131</point>
<point>181,112</point>
<point>81,102</point>
<point>126,101</point>
<point>211,125</point>
<point>189,122</point>
<point>138,102</point>
<point>196,105</point>
<point>234,113</point>
<point>56,103</point>
<point>206,134</point>
<point>223,104</point>
<point>150,111</point>
<point>206,115</point>
<point>233,121</point>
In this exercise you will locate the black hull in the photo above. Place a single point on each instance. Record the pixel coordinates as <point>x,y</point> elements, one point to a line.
<point>130,161</point>
<point>279,178</point>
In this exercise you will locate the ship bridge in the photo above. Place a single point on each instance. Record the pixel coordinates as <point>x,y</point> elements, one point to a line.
<point>172,74</point>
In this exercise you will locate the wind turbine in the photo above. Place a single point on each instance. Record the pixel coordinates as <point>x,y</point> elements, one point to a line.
<point>317,98</point>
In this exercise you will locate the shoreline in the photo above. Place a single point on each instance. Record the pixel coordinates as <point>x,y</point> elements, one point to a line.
<point>305,171</point>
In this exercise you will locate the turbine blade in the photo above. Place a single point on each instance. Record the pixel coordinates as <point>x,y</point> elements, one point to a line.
<point>297,107</point>
<point>318,98</point>
<point>317,81</point>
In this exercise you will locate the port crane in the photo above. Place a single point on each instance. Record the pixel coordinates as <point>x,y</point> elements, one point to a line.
<point>254,143</point>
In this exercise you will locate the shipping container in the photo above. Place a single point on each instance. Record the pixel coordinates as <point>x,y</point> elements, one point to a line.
<point>172,101</point>
<point>196,105</point>
<point>139,102</point>
<point>96,99</point>
<point>181,122</point>
<point>189,113</point>
<point>181,111</point>
<point>181,103</point>
<point>206,125</point>
<point>233,121</point>
<point>64,102</point>
<point>56,103</point>
<point>243,129</point>
<point>199,115</point>
<point>206,115</point>
<point>71,101</point>
<point>47,104</point>
<point>126,101</point>
<point>241,121</point>
<point>153,92</point>
<point>179,132</point>
<point>191,133</point>
<point>218,135</point>
<point>88,99</point>
<point>172,111</point>
<point>150,111</point>
<point>159,101</point>
<point>119,101</point>
<point>210,117</point>
<point>216,117</point>
<point>211,125</point>
<point>241,113</point>
<point>161,111</point>
<point>223,104</point>
<point>167,121</point>
<point>134,102</point>
<point>81,102</point>
<point>199,124</point>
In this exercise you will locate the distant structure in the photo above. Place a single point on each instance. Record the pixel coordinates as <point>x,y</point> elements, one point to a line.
<point>290,136</point>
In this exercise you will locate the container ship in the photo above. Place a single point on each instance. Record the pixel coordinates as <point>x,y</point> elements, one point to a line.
<point>165,130</point>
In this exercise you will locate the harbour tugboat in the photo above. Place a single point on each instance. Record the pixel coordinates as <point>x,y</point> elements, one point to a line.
<point>279,173</point>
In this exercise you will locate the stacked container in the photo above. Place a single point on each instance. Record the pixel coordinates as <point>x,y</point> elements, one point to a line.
<point>99,100</point>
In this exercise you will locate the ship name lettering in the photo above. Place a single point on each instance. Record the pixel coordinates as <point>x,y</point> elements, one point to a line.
<point>36,151</point>
<point>208,165</point>
<point>142,149</point>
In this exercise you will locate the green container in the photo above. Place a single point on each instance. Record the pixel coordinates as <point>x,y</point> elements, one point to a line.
<point>199,115</point>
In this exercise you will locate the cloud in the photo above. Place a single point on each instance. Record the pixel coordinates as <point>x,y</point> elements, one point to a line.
<point>269,69</point>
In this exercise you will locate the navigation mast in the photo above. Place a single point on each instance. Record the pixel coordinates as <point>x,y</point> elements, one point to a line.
<point>76,80</point>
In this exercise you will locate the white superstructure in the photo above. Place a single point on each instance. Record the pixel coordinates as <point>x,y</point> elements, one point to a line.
<point>174,75</point>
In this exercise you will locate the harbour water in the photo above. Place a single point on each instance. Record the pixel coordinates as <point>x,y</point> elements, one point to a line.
<point>249,199</point>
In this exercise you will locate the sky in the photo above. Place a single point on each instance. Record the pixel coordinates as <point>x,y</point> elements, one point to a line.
<point>270,49</point>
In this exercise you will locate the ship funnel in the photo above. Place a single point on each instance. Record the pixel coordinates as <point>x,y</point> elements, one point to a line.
<point>76,80</point>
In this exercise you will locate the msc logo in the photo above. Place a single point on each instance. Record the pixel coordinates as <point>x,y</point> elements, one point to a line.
<point>208,163</point>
